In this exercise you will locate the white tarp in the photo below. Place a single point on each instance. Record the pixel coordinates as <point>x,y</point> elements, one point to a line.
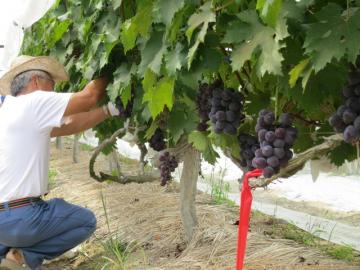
<point>15,16</point>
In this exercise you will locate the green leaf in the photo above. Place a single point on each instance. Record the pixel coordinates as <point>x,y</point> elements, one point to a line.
<point>263,37</point>
<point>270,10</point>
<point>160,95</point>
<point>149,80</point>
<point>128,35</point>
<point>177,22</point>
<point>204,17</point>
<point>167,9</point>
<point>116,3</point>
<point>125,95</point>
<point>210,155</point>
<point>151,130</point>
<point>333,36</point>
<point>143,17</point>
<point>121,84</point>
<point>177,123</point>
<point>237,31</point>
<point>59,29</point>
<point>202,143</point>
<point>152,54</point>
<point>296,71</point>
<point>198,140</point>
<point>137,25</point>
<point>341,153</point>
<point>174,59</point>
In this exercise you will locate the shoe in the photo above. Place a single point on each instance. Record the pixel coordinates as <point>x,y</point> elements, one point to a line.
<point>7,264</point>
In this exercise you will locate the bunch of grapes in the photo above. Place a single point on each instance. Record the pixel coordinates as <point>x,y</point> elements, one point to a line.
<point>226,110</point>
<point>346,119</point>
<point>203,101</point>
<point>168,164</point>
<point>248,146</point>
<point>124,112</point>
<point>157,141</point>
<point>275,140</point>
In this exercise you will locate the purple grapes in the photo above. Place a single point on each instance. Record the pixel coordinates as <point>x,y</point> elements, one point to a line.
<point>203,102</point>
<point>276,140</point>
<point>168,164</point>
<point>226,110</point>
<point>249,148</point>
<point>346,119</point>
<point>157,141</point>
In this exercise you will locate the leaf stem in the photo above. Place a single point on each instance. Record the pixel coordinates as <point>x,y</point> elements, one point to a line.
<point>225,5</point>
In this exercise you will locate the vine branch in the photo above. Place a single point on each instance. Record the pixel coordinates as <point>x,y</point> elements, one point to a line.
<point>121,178</point>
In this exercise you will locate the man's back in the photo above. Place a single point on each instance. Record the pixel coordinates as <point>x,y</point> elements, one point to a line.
<point>25,125</point>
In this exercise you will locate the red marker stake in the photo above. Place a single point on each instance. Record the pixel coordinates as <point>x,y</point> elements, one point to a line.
<point>245,210</point>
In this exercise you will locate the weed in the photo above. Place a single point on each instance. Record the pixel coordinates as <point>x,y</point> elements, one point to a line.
<point>340,252</point>
<point>86,147</point>
<point>117,250</point>
<point>117,253</point>
<point>52,178</point>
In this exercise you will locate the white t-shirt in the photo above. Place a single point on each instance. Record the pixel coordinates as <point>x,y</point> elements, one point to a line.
<point>25,125</point>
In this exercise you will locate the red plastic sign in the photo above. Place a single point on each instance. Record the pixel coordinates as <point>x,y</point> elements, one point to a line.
<point>245,210</point>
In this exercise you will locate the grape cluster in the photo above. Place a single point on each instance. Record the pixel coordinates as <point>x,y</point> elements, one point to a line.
<point>124,112</point>
<point>346,119</point>
<point>275,140</point>
<point>248,146</point>
<point>168,164</point>
<point>157,141</point>
<point>226,110</point>
<point>203,101</point>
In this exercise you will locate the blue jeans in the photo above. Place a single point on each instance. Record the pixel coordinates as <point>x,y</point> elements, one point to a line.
<point>44,230</point>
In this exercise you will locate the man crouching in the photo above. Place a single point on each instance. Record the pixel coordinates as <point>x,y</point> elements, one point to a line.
<point>32,229</point>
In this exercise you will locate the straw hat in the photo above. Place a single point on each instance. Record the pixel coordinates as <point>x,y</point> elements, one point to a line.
<point>25,63</point>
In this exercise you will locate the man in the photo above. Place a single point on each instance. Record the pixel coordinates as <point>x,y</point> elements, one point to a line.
<point>31,229</point>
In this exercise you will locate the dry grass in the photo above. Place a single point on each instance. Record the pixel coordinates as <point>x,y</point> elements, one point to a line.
<point>149,215</point>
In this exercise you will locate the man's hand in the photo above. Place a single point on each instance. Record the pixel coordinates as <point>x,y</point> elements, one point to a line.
<point>111,109</point>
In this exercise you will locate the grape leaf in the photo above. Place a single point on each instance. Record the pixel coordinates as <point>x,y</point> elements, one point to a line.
<point>296,71</point>
<point>341,153</point>
<point>152,54</point>
<point>58,29</point>
<point>116,3</point>
<point>178,122</point>
<point>167,9</point>
<point>160,95</point>
<point>137,25</point>
<point>198,140</point>
<point>204,17</point>
<point>174,59</point>
<point>121,83</point>
<point>128,35</point>
<point>149,79</point>
<point>259,36</point>
<point>151,130</point>
<point>203,144</point>
<point>270,10</point>
<point>334,35</point>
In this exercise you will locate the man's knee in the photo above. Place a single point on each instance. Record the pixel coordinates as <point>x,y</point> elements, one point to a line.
<point>90,218</point>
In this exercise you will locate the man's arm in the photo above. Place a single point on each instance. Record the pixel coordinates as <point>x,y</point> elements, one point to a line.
<point>79,122</point>
<point>86,99</point>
